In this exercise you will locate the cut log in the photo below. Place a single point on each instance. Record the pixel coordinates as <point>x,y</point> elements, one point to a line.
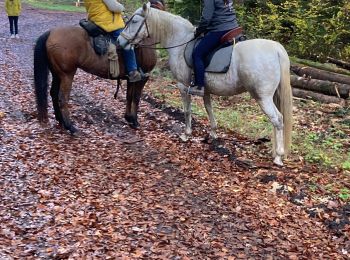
<point>314,73</point>
<point>343,64</point>
<point>305,94</point>
<point>321,86</point>
<point>323,66</point>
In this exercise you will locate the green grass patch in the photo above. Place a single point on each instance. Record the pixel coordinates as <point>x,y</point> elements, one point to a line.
<point>344,194</point>
<point>324,148</point>
<point>56,5</point>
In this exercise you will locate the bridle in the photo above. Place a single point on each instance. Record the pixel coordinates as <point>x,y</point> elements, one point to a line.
<point>144,22</point>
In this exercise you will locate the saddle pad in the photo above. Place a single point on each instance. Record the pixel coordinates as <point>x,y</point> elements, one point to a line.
<point>218,61</point>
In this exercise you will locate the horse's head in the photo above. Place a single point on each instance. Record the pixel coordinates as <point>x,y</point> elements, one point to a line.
<point>136,28</point>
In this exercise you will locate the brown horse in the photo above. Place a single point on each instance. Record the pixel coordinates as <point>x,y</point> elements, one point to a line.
<point>65,49</point>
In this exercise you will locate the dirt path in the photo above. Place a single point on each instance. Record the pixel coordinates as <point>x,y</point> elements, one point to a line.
<point>114,192</point>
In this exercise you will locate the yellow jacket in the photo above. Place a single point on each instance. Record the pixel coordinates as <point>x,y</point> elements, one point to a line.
<point>13,7</point>
<point>99,13</point>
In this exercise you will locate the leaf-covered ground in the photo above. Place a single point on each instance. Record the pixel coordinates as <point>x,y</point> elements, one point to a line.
<point>113,192</point>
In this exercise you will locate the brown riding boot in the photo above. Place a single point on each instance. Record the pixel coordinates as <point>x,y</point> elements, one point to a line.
<point>135,76</point>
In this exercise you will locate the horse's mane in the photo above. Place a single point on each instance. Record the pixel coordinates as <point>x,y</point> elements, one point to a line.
<point>170,22</point>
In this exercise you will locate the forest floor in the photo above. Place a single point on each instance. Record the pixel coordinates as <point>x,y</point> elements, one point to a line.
<point>115,192</point>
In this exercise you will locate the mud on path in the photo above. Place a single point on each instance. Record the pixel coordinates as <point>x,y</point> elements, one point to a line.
<point>114,192</point>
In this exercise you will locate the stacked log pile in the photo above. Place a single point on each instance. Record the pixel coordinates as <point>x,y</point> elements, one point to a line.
<point>320,85</point>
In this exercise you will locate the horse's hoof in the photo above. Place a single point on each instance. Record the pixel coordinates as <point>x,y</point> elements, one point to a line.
<point>134,125</point>
<point>184,137</point>
<point>132,122</point>
<point>73,130</point>
<point>278,161</point>
<point>213,136</point>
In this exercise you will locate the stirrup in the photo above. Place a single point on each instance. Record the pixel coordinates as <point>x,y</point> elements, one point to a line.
<point>135,76</point>
<point>195,91</point>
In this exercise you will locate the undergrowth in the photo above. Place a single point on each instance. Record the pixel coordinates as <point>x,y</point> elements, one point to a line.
<point>320,132</point>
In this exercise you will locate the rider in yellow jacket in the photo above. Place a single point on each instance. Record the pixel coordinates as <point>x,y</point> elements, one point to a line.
<point>107,14</point>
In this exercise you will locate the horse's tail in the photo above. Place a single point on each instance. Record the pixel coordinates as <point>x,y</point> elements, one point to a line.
<point>283,99</point>
<point>41,73</point>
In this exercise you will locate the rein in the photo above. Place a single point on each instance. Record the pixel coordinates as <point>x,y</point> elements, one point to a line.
<point>149,46</point>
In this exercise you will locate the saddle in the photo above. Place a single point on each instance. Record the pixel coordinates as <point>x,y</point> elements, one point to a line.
<point>219,59</point>
<point>103,43</point>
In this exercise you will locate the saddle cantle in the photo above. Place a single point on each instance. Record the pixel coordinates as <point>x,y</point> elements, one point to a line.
<point>233,35</point>
<point>219,59</point>
<point>92,29</point>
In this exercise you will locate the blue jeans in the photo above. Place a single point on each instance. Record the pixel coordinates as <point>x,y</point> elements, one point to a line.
<point>208,43</point>
<point>128,55</point>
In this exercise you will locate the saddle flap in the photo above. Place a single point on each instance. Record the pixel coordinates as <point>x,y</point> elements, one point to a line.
<point>217,61</point>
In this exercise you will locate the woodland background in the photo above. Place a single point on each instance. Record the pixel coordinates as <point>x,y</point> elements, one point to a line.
<point>314,29</point>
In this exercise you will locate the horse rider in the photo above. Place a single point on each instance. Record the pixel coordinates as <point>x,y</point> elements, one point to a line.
<point>218,17</point>
<point>107,14</point>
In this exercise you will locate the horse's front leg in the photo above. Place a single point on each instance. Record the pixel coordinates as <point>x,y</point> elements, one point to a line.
<point>63,98</point>
<point>209,109</point>
<point>186,101</point>
<point>133,97</point>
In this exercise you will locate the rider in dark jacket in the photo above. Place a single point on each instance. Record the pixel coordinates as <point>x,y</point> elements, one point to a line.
<point>218,18</point>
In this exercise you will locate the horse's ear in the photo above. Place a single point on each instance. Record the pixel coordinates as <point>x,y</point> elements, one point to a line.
<point>146,6</point>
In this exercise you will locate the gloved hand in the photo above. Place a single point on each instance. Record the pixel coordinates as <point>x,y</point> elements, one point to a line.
<point>199,31</point>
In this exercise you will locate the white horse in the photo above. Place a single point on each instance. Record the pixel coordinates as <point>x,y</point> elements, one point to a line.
<point>258,66</point>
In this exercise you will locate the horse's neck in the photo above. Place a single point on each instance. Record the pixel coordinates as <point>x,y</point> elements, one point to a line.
<point>171,31</point>
<point>168,29</point>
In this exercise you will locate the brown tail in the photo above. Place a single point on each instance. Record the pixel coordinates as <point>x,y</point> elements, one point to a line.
<point>41,73</point>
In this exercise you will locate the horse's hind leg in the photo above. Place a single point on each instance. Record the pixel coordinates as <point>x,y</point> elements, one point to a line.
<point>209,109</point>
<point>63,98</point>
<point>269,108</point>
<point>55,88</point>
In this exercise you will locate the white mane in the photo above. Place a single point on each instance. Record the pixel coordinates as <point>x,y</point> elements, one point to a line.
<point>162,24</point>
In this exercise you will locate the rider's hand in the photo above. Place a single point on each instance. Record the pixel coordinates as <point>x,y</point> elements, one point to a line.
<point>199,31</point>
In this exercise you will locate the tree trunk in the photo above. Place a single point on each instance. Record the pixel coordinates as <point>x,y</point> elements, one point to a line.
<point>322,86</point>
<point>343,64</point>
<point>300,93</point>
<point>320,74</point>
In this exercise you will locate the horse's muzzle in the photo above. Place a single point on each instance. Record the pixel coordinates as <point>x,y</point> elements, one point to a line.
<point>124,43</point>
